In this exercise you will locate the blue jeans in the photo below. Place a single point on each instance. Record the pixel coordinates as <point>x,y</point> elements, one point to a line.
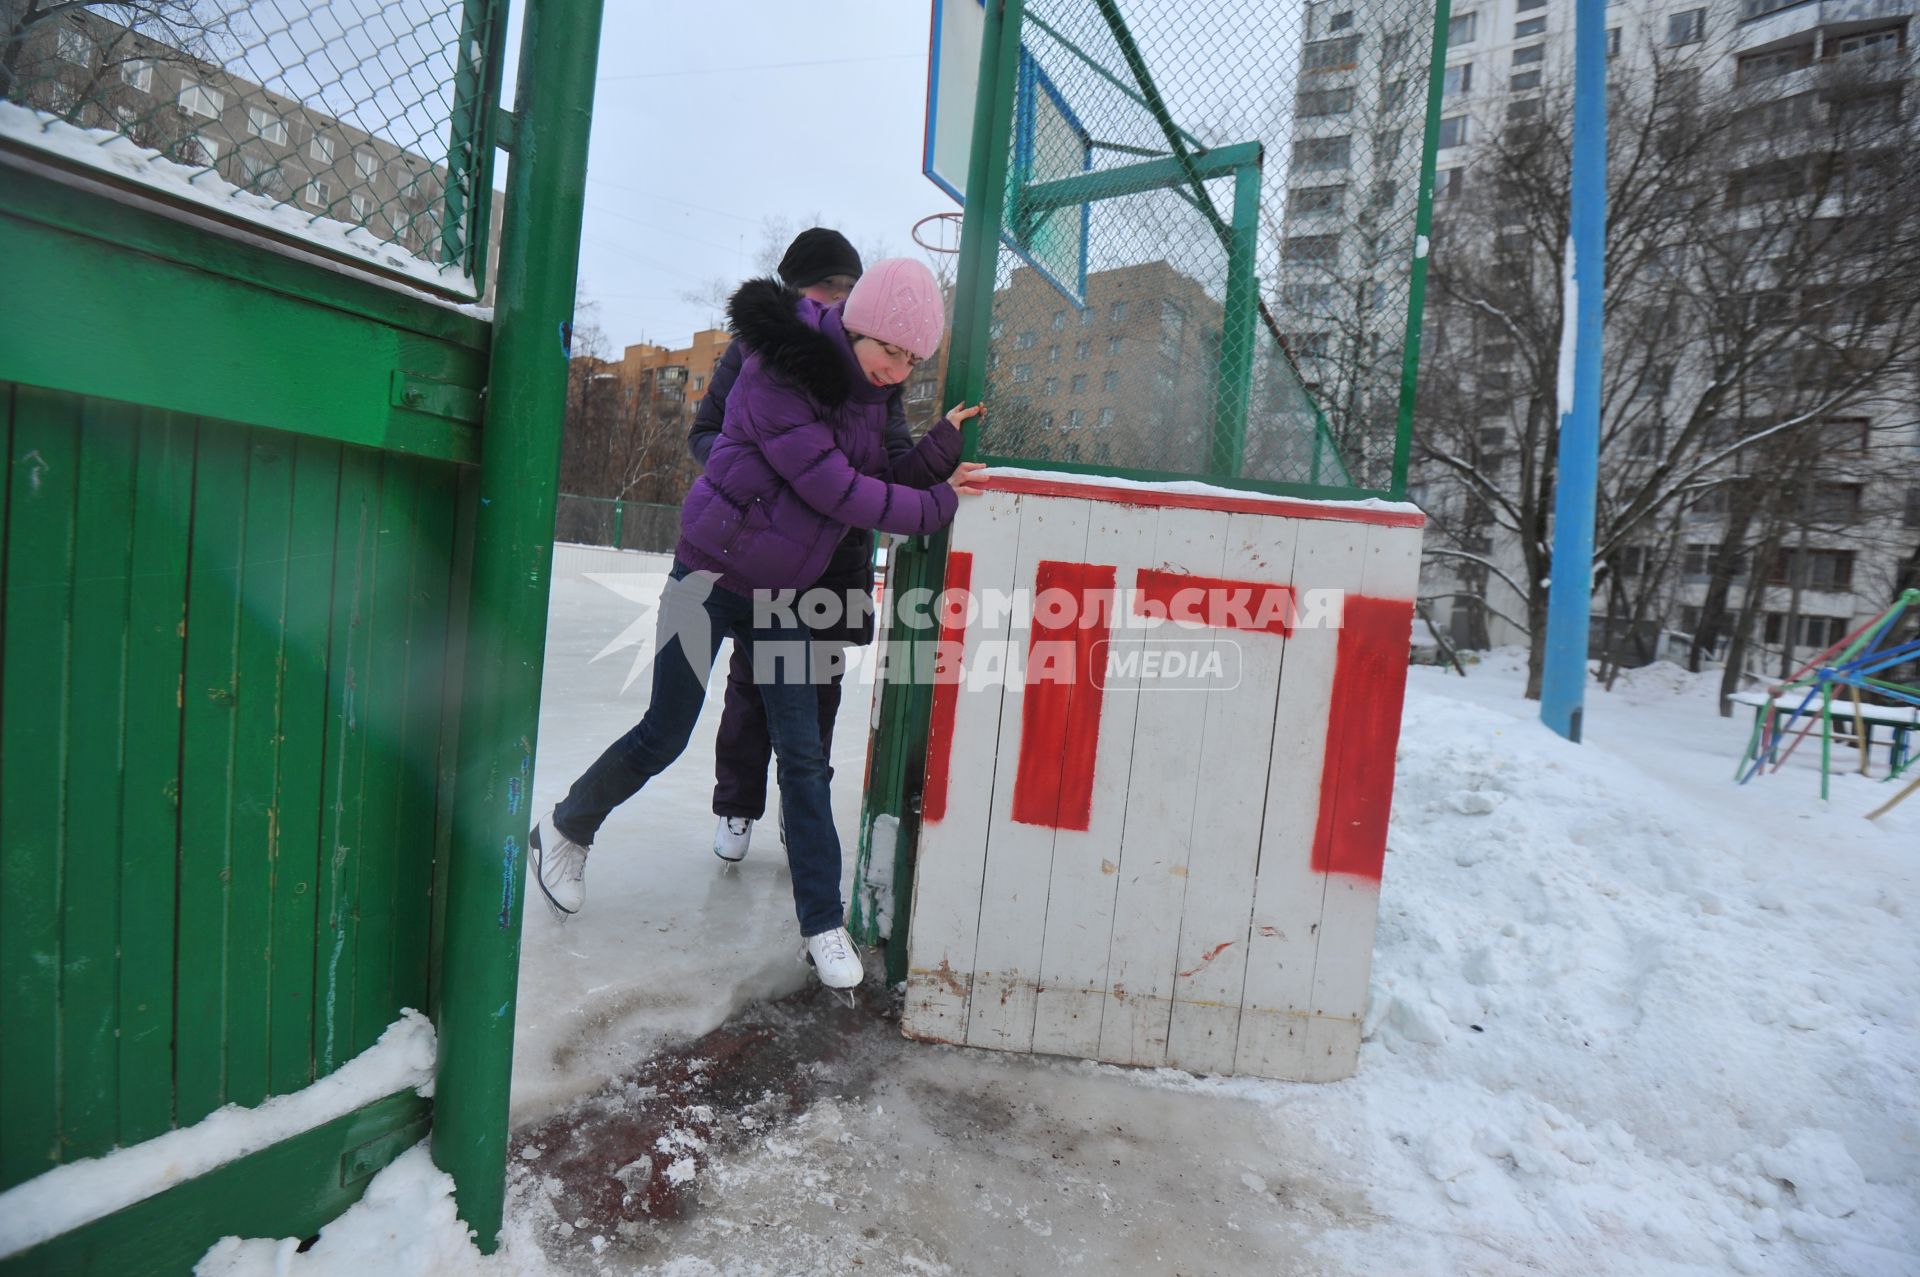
<point>694,617</point>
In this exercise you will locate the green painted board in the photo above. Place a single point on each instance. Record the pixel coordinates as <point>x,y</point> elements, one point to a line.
<point>296,861</point>
<point>321,372</point>
<point>292,1189</point>
<point>210,695</point>
<point>343,757</point>
<point>150,791</point>
<point>89,913</point>
<point>34,674</point>
<point>260,652</point>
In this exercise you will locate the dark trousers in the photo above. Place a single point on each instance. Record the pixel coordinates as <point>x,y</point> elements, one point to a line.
<point>695,617</point>
<point>742,749</point>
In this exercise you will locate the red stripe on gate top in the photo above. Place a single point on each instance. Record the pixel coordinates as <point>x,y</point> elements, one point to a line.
<point>1248,503</point>
<point>946,685</point>
<point>1215,602</point>
<point>1060,713</point>
<point>1363,727</point>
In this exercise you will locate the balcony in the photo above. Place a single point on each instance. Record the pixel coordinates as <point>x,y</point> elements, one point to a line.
<point>1784,25</point>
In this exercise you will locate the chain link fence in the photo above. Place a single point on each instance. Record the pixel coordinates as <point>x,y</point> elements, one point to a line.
<point>1209,238</point>
<point>357,124</point>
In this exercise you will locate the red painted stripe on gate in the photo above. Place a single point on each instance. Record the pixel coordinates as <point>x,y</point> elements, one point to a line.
<point>1249,503</point>
<point>1215,602</point>
<point>1060,713</point>
<point>1363,727</point>
<point>946,685</point>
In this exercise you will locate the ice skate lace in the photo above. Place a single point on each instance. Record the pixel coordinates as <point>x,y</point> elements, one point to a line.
<point>738,826</point>
<point>833,945</point>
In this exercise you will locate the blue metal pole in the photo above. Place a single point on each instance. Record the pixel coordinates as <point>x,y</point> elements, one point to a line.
<point>1563,682</point>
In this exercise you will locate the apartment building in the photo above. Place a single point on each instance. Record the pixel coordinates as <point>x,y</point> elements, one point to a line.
<point>1507,67</point>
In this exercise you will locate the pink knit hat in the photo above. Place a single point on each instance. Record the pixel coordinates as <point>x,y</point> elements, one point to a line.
<point>897,301</point>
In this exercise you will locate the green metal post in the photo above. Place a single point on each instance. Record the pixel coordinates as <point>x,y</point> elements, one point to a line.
<point>906,700</point>
<point>619,511</point>
<point>1238,333</point>
<point>469,190</point>
<point>1422,244</point>
<point>512,560</point>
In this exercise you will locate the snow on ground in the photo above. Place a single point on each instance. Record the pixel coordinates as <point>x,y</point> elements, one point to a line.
<point>1628,1018</point>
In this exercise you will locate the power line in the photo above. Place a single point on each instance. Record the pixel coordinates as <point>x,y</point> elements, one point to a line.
<point>763,66</point>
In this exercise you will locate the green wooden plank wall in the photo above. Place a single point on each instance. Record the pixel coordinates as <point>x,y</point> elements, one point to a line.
<point>226,680</point>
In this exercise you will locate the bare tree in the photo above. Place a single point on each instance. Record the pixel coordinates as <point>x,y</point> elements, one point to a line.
<point>1761,283</point>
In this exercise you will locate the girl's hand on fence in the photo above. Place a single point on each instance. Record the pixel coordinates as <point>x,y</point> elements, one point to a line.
<point>966,477</point>
<point>960,413</point>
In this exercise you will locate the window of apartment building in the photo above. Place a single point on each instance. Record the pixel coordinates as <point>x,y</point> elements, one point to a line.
<point>1871,43</point>
<point>1023,372</point>
<point>1448,183</point>
<point>1318,154</point>
<point>1525,80</point>
<point>1105,418</point>
<point>199,149</point>
<point>366,163</point>
<point>1689,27</point>
<point>1385,192</point>
<point>1340,21</point>
<point>1059,319</point>
<point>1118,314</point>
<point>266,126</point>
<point>1050,385</point>
<point>1750,9</point>
<point>1912,519</point>
<point>1082,348</point>
<point>1330,55</point>
<point>1765,66</point>
<point>1079,383</point>
<point>319,194</point>
<point>1834,503</point>
<point>1321,102</point>
<point>261,174</point>
<point>197,99</point>
<point>1529,54</point>
<point>1393,47</point>
<point>1530,26</point>
<point>1316,199</point>
<point>1461,30</point>
<point>1866,112</point>
<point>320,149</point>
<point>1632,560</point>
<point>1086,316</point>
<point>1074,417</point>
<point>1110,379</point>
<point>1392,94</point>
<point>1847,434</point>
<point>1053,353</point>
<point>1523,109</point>
<point>1310,250</point>
<point>138,73</point>
<point>1386,143</point>
<point>1046,421</point>
<point>920,391</point>
<point>1814,569</point>
<point>1493,439</point>
<point>1113,345</point>
<point>1458,79</point>
<point>1525,5</point>
<point>1024,339</point>
<point>1453,131</point>
<point>74,46</point>
<point>995,328</point>
<point>1613,42</point>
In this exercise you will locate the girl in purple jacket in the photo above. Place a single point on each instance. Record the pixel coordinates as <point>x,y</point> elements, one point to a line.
<point>800,459</point>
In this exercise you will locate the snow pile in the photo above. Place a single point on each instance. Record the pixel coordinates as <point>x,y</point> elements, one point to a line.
<point>1627,1017</point>
<point>68,1196</point>
<point>114,153</point>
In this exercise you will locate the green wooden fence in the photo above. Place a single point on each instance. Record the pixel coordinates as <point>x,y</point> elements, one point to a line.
<point>272,584</point>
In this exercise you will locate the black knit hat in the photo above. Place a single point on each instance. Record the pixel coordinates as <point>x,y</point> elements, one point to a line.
<point>815,254</point>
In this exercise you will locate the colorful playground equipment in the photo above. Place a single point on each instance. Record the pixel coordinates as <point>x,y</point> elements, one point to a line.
<point>1846,672</point>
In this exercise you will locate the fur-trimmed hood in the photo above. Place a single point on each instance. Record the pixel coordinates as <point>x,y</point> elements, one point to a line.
<point>796,339</point>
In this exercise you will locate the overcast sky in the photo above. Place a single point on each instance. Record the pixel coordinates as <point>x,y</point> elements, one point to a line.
<point>712,116</point>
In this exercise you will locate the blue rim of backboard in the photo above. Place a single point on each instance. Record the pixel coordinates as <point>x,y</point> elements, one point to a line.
<point>1030,79</point>
<point>1033,79</point>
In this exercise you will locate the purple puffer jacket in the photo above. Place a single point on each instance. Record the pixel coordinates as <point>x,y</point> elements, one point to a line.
<point>801,457</point>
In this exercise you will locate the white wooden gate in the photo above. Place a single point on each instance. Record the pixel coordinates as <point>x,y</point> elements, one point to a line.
<point>1159,773</point>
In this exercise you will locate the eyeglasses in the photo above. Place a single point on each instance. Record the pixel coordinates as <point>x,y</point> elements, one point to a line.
<point>894,352</point>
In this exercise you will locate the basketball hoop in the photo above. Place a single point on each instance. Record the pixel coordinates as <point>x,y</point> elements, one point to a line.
<point>944,238</point>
